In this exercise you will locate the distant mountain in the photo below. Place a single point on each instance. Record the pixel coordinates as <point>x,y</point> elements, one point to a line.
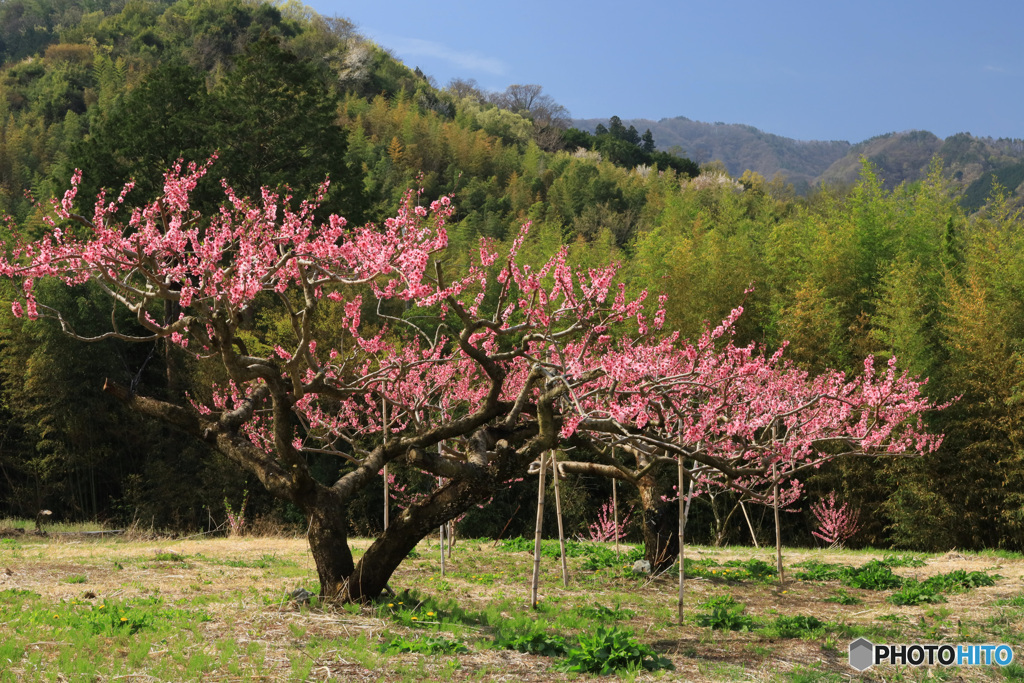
<point>973,163</point>
<point>740,147</point>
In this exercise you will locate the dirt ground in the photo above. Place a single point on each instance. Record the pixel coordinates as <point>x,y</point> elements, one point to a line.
<point>242,583</point>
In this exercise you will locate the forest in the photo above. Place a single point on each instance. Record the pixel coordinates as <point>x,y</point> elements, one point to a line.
<point>122,90</point>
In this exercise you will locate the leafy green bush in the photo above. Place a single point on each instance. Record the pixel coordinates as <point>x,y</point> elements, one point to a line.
<point>537,643</point>
<point>902,561</point>
<point>960,580</point>
<point>819,571</point>
<point>610,650</point>
<point>602,613</point>
<point>601,557</point>
<point>756,569</point>
<point>914,593</point>
<point>797,626</point>
<point>726,615</point>
<point>874,575</point>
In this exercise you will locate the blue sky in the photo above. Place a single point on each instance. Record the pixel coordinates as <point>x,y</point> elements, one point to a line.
<point>808,70</point>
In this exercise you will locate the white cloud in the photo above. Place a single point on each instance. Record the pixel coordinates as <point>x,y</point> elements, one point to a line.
<point>407,48</point>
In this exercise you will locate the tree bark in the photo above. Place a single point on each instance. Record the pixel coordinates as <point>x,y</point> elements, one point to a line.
<point>375,567</point>
<point>328,540</point>
<point>661,526</point>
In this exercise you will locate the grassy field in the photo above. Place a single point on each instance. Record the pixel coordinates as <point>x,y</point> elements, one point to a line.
<point>217,610</point>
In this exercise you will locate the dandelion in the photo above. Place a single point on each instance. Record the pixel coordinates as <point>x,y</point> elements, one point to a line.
<point>124,618</point>
<point>391,604</point>
<point>414,618</point>
<point>56,616</point>
<point>430,614</point>
<point>102,606</point>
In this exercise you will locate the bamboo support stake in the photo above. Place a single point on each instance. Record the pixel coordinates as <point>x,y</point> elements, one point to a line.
<point>682,545</point>
<point>615,514</point>
<point>778,528</point>
<point>684,515</point>
<point>384,422</point>
<point>440,546</point>
<point>558,515</point>
<point>440,532</point>
<point>536,544</point>
<point>750,526</point>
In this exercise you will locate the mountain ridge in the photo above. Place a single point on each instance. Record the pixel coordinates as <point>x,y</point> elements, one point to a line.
<point>972,162</point>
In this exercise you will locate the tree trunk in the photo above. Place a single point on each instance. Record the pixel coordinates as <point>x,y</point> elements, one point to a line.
<point>328,541</point>
<point>661,526</point>
<point>375,567</point>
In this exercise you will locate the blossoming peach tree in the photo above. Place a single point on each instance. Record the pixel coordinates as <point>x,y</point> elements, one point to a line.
<point>519,361</point>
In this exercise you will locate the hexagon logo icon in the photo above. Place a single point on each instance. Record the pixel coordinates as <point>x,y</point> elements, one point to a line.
<point>862,654</point>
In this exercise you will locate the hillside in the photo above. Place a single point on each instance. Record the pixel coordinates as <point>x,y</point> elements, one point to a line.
<point>286,97</point>
<point>972,163</point>
<point>741,147</point>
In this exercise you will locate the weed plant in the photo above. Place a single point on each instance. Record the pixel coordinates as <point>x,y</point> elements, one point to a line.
<point>841,597</point>
<point>726,615</point>
<point>427,645</point>
<point>612,650</point>
<point>796,626</point>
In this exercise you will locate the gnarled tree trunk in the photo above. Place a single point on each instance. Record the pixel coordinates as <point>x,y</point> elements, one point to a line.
<point>661,525</point>
<point>328,539</point>
<point>371,575</point>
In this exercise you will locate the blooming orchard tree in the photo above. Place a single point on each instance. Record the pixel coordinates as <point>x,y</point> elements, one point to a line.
<point>738,419</point>
<point>559,358</point>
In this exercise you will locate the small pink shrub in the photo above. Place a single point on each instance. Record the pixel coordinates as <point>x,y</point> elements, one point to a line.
<point>835,525</point>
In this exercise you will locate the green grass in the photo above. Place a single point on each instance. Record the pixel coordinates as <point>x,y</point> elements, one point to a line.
<point>55,526</point>
<point>221,611</point>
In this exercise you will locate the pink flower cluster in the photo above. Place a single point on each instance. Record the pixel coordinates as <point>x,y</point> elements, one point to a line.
<point>571,339</point>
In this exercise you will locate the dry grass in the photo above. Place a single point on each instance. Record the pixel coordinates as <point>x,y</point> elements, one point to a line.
<point>255,633</point>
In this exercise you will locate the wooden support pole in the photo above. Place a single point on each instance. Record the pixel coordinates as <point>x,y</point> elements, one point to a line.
<point>536,544</point>
<point>384,422</point>
<point>682,530</point>
<point>615,514</point>
<point>558,515</point>
<point>750,526</point>
<point>778,528</point>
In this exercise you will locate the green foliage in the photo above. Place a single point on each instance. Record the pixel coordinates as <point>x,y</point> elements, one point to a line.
<point>902,561</point>
<point>612,650</point>
<point>915,593</point>
<point>123,89</point>
<point>427,645</point>
<point>814,570</point>
<point>603,556</point>
<point>726,615</point>
<point>534,643</point>
<point>796,626</point>
<point>1015,601</point>
<point>874,575</point>
<point>755,569</point>
<point>841,597</point>
<point>111,617</point>
<point>602,613</point>
<point>960,580</point>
